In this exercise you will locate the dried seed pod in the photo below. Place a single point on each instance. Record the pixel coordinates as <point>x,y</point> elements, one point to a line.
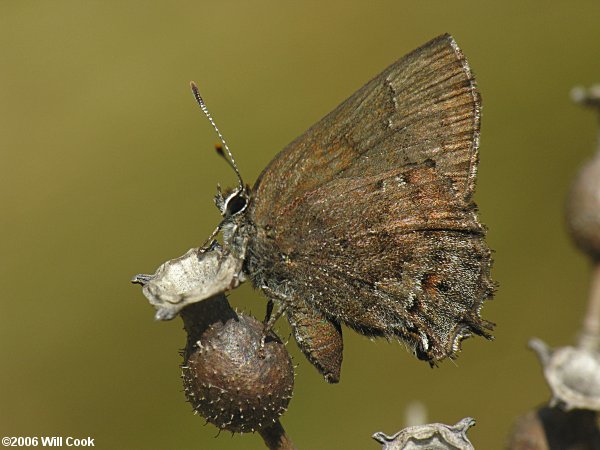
<point>433,436</point>
<point>583,209</point>
<point>583,202</point>
<point>229,376</point>
<point>553,428</point>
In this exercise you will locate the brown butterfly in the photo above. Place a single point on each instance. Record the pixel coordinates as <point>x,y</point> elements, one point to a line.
<point>367,220</point>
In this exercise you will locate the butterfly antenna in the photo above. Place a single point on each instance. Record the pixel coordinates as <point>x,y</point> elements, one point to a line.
<point>204,109</point>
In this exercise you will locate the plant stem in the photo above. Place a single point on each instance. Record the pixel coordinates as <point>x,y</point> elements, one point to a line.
<point>590,333</point>
<point>276,438</point>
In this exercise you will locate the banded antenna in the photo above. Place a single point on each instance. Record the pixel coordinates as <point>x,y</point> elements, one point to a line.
<point>204,109</point>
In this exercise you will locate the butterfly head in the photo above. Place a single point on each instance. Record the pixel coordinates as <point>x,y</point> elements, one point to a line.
<point>232,202</point>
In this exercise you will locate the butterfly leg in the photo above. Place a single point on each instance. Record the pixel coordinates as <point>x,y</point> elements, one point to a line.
<point>270,318</point>
<point>270,306</point>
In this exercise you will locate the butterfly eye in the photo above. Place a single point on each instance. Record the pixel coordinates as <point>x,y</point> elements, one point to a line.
<point>235,204</point>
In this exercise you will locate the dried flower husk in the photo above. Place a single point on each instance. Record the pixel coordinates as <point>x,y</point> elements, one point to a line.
<point>432,436</point>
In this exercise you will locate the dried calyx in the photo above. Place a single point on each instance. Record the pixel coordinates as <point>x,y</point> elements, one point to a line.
<point>573,374</point>
<point>433,436</point>
<point>234,376</point>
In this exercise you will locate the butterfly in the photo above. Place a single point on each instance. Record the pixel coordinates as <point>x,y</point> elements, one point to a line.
<point>366,220</point>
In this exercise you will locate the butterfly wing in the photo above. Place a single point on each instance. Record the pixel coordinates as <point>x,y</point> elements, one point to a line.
<point>424,106</point>
<point>368,218</point>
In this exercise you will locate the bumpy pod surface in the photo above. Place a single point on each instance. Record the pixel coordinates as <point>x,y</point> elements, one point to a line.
<point>233,380</point>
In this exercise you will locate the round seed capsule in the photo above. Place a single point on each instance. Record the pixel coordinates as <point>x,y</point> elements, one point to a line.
<point>235,377</point>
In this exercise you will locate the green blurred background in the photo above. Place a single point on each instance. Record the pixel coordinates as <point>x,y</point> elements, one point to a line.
<point>108,169</point>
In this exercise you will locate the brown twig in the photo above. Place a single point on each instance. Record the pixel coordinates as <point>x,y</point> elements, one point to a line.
<point>276,438</point>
